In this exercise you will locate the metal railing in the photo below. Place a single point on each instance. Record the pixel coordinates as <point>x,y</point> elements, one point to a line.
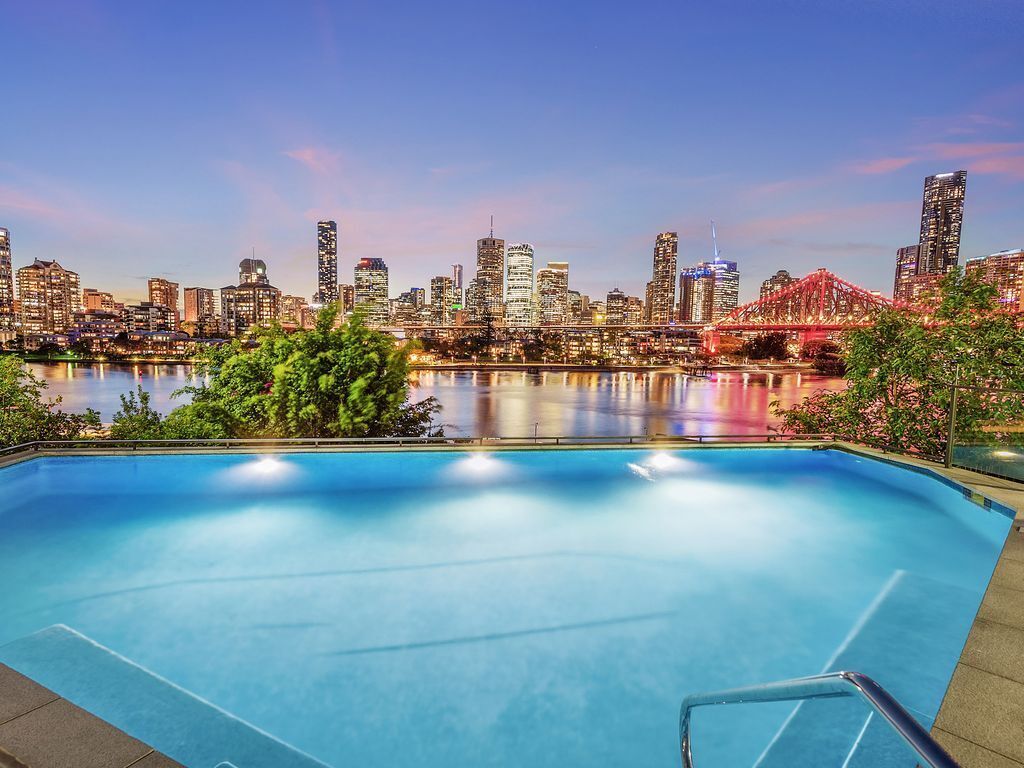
<point>106,444</point>
<point>827,686</point>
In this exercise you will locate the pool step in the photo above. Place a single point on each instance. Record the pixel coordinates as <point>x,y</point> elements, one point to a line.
<point>144,705</point>
<point>909,642</point>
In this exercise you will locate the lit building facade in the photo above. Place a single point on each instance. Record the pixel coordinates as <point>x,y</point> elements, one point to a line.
<point>254,302</point>
<point>1004,270</point>
<point>293,311</point>
<point>149,317</point>
<point>49,297</point>
<point>615,307</point>
<point>663,280</point>
<point>519,310</point>
<point>6,283</point>
<point>780,279</point>
<point>199,304</point>
<point>442,300</point>
<point>490,278</point>
<point>726,288</point>
<point>346,297</point>
<point>371,290</point>
<point>326,262</point>
<point>165,293</point>
<point>942,216</point>
<point>98,301</point>
<point>553,293</point>
<point>903,288</point>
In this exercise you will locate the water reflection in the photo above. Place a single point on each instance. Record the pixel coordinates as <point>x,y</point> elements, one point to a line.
<point>512,402</point>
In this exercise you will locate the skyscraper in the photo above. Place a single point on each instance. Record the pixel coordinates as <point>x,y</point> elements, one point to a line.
<point>663,288</point>
<point>942,214</point>
<point>458,289</point>
<point>371,290</point>
<point>709,291</point>
<point>442,300</point>
<point>553,293</point>
<point>907,258</point>
<point>1004,270</point>
<point>727,287</point>
<point>780,279</point>
<point>50,295</point>
<point>6,283</point>
<point>519,285</point>
<point>490,277</point>
<point>326,262</point>
<point>253,302</point>
<point>615,307</point>
<point>198,304</point>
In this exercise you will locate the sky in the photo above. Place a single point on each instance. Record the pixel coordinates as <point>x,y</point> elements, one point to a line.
<point>172,139</point>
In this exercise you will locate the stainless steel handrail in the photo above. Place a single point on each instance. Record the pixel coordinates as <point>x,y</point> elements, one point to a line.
<point>831,685</point>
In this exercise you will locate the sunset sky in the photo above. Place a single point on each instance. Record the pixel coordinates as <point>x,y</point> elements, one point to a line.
<point>144,139</point>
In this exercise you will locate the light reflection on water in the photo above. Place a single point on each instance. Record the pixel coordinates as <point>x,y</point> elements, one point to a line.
<point>512,403</point>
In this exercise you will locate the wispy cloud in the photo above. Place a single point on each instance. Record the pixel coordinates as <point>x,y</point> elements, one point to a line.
<point>317,159</point>
<point>882,165</point>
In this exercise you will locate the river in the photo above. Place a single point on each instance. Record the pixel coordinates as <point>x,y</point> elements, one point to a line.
<point>509,403</point>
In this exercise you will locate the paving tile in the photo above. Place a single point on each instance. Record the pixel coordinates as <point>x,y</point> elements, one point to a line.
<point>1014,549</point>
<point>971,755</point>
<point>20,694</point>
<point>60,735</point>
<point>996,648</point>
<point>156,760</point>
<point>1003,605</point>
<point>985,709</point>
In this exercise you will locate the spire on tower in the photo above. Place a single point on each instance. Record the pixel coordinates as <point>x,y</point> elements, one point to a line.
<point>492,225</point>
<point>714,238</point>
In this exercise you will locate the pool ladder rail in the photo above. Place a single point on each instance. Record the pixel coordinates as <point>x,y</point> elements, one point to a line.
<point>827,686</point>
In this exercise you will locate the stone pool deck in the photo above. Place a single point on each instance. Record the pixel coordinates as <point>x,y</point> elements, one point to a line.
<point>980,722</point>
<point>39,729</point>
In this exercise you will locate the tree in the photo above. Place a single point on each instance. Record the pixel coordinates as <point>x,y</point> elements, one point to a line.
<point>24,413</point>
<point>136,420</point>
<point>767,345</point>
<point>344,381</point>
<point>900,371</point>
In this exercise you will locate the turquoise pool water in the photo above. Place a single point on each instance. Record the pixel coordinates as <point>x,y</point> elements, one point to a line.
<point>515,608</point>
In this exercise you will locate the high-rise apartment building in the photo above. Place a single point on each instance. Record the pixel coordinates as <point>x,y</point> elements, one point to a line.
<point>907,257</point>
<point>727,288</point>
<point>6,283</point>
<point>199,304</point>
<point>49,296</point>
<point>293,311</point>
<point>634,314</point>
<point>490,278</point>
<point>780,279</point>
<point>709,291</point>
<point>164,293</point>
<point>519,285</point>
<point>577,306</point>
<point>442,300</point>
<point>615,307</point>
<point>458,289</point>
<point>371,290</point>
<point>663,279</point>
<point>253,302</point>
<point>98,301</point>
<point>553,293</point>
<point>346,297</point>
<point>942,215</point>
<point>149,317</point>
<point>1004,270</point>
<point>326,262</point>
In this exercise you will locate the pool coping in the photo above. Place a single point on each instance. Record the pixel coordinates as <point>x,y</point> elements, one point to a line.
<point>981,717</point>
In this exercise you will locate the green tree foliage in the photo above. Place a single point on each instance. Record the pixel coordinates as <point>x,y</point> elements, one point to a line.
<point>136,420</point>
<point>767,346</point>
<point>344,380</point>
<point>899,373</point>
<point>26,415</point>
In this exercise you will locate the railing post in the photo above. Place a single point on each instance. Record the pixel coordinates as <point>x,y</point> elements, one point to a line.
<point>951,426</point>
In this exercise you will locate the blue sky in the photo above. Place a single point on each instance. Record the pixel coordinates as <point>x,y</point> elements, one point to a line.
<point>171,138</point>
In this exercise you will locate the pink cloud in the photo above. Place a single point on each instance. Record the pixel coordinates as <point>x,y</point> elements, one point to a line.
<point>968,149</point>
<point>1012,166</point>
<point>882,165</point>
<point>317,159</point>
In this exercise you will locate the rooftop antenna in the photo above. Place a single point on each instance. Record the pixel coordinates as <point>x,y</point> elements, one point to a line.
<point>492,225</point>
<point>714,238</point>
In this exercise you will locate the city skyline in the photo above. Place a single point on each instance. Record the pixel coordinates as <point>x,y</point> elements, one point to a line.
<point>821,168</point>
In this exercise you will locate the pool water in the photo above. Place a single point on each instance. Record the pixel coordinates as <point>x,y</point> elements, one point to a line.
<point>519,608</point>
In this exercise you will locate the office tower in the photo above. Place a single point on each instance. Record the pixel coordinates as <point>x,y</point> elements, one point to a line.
<point>253,302</point>
<point>696,294</point>
<point>346,297</point>
<point>663,280</point>
<point>50,296</point>
<point>553,293</point>
<point>942,215</point>
<point>726,288</point>
<point>418,297</point>
<point>634,314</point>
<point>615,307</point>
<point>519,285</point>
<point>199,304</point>
<point>575,302</point>
<point>6,283</point>
<point>371,290</point>
<point>252,271</point>
<point>97,301</point>
<point>458,289</point>
<point>457,276</point>
<point>780,279</point>
<point>648,300</point>
<point>326,262</point>
<point>490,277</point>
<point>1004,270</point>
<point>906,272</point>
<point>442,300</point>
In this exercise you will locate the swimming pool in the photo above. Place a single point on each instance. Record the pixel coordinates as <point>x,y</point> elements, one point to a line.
<point>511,608</point>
